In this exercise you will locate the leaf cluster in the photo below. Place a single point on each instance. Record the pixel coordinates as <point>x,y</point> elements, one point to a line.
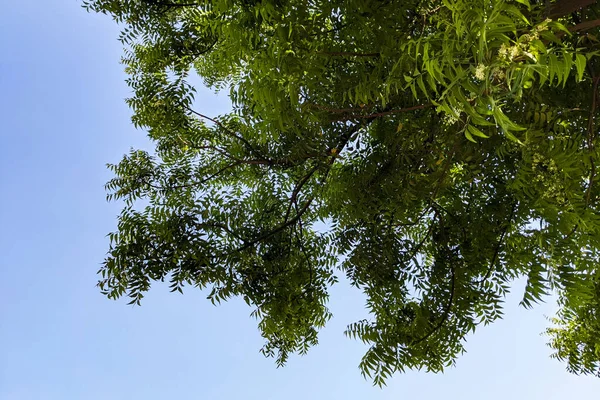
<point>433,151</point>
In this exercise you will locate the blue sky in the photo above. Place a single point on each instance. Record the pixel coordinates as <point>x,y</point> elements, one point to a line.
<point>63,118</point>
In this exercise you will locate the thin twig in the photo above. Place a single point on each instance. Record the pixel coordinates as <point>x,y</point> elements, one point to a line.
<point>300,237</point>
<point>498,246</point>
<point>281,227</point>
<point>417,248</point>
<point>591,138</point>
<point>383,113</point>
<point>200,182</point>
<point>446,311</point>
<point>287,221</point>
<point>171,4</point>
<point>338,110</point>
<point>348,53</point>
<point>228,131</point>
<point>297,189</point>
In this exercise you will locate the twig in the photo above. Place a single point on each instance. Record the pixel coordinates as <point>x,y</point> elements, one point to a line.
<point>337,110</point>
<point>348,53</point>
<point>446,311</point>
<point>171,4</point>
<point>419,245</point>
<point>591,138</point>
<point>206,50</point>
<point>228,131</point>
<point>297,189</point>
<point>498,245</point>
<point>438,205</point>
<point>219,225</point>
<point>281,227</point>
<point>200,182</point>
<point>383,113</point>
<point>299,213</point>
<point>300,237</point>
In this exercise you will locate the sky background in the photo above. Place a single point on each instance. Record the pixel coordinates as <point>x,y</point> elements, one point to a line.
<point>62,119</point>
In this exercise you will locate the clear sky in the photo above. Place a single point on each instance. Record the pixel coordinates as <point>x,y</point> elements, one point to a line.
<point>62,118</point>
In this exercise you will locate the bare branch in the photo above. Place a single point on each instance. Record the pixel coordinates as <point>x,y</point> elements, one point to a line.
<point>565,7</point>
<point>585,25</point>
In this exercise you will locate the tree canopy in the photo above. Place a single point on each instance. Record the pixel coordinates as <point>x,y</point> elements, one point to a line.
<point>433,151</point>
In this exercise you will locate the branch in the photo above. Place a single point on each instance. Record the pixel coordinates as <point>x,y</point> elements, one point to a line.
<point>584,26</point>
<point>206,50</point>
<point>564,7</point>
<point>229,132</point>
<point>497,250</point>
<point>591,138</point>
<point>447,164</point>
<point>222,226</point>
<point>201,182</point>
<point>348,53</point>
<point>419,245</point>
<point>299,213</point>
<point>219,172</point>
<point>337,110</point>
<point>438,205</point>
<point>240,160</point>
<point>297,189</point>
<point>300,238</point>
<point>170,4</point>
<point>384,113</point>
<point>446,311</point>
<point>281,227</point>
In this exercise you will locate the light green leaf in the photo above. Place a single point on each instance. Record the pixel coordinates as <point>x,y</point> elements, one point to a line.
<point>580,63</point>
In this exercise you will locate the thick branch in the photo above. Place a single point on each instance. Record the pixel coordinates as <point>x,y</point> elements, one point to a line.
<point>565,7</point>
<point>584,26</point>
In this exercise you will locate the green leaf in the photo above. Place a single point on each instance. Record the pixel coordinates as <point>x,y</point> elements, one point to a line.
<point>580,63</point>
<point>476,132</point>
<point>469,136</point>
<point>339,156</point>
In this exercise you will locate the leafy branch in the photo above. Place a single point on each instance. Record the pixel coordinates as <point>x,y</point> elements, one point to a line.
<point>446,312</point>
<point>498,246</point>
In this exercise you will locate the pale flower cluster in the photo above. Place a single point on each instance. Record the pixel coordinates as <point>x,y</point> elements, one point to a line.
<point>480,72</point>
<point>509,53</point>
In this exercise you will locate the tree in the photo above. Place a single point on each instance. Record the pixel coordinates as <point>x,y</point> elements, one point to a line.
<point>433,151</point>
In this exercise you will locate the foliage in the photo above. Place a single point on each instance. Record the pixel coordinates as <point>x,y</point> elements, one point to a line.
<point>433,151</point>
